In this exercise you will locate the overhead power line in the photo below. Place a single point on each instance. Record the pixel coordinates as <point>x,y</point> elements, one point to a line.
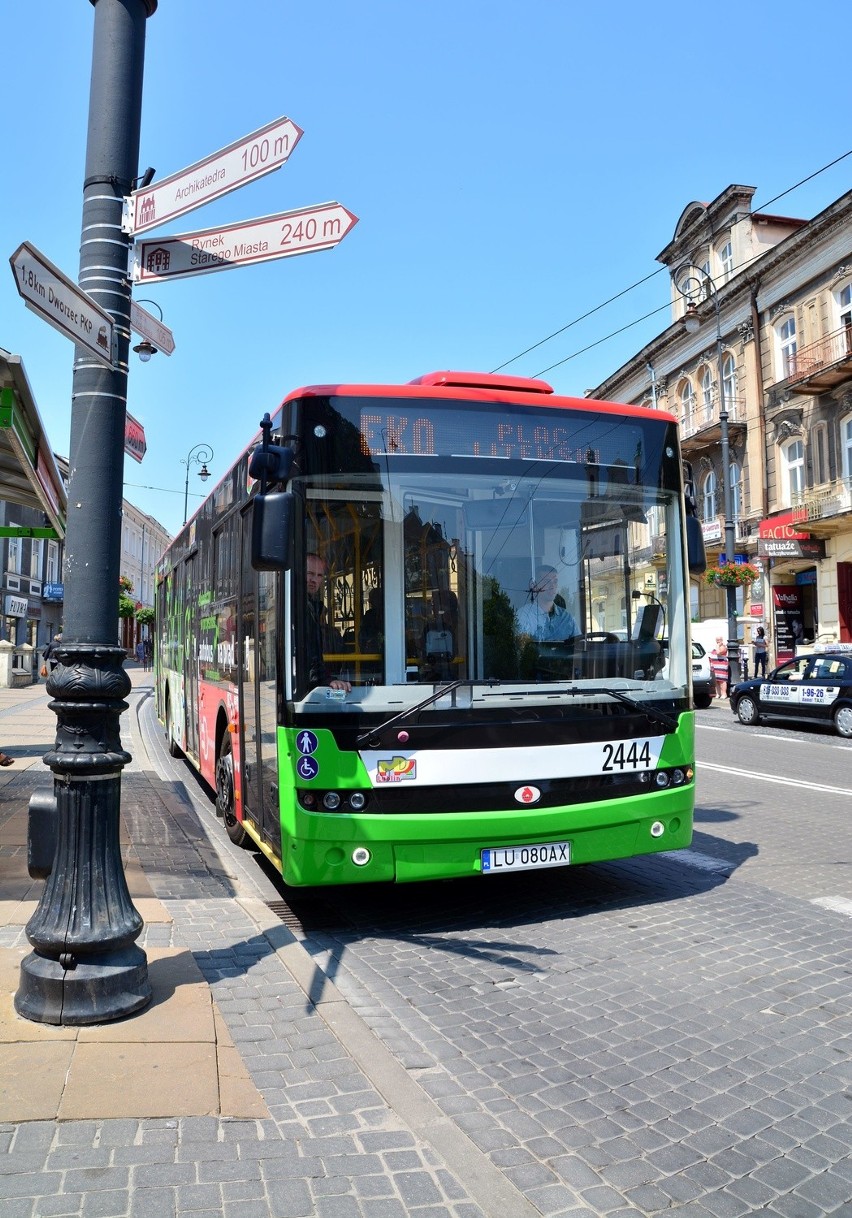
<point>639,282</point>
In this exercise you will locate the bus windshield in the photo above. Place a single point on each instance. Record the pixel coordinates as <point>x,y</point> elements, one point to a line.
<point>521,569</point>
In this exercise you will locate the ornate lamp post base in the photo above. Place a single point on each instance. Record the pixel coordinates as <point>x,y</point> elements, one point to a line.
<point>85,967</point>
<point>103,988</point>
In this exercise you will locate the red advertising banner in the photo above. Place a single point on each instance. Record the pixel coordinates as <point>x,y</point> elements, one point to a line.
<point>782,527</point>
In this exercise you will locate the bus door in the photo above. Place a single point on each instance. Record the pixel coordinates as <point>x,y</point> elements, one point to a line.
<point>192,667</point>
<point>259,698</point>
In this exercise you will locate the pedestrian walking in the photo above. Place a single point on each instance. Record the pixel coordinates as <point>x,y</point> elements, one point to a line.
<point>140,654</point>
<point>761,652</point>
<point>720,664</point>
<point>48,655</point>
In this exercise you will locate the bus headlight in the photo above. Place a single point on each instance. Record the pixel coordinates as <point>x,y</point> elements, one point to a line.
<point>357,800</point>
<point>657,829</point>
<point>331,801</point>
<point>361,856</point>
<point>662,778</point>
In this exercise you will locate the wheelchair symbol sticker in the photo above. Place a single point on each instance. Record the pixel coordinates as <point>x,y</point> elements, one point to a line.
<point>307,768</point>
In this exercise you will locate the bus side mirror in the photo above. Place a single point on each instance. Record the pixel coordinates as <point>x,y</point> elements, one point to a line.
<point>695,557</point>
<point>271,524</point>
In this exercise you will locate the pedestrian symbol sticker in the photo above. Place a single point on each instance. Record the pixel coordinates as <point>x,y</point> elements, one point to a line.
<point>307,768</point>
<point>306,742</point>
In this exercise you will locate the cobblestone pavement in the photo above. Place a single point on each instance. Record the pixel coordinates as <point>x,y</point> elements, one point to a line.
<point>643,1038</point>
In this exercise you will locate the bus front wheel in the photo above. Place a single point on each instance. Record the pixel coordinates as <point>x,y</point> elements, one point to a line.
<point>225,806</point>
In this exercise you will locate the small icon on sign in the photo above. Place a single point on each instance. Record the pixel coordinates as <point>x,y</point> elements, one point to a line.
<point>306,742</point>
<point>307,768</point>
<point>527,795</point>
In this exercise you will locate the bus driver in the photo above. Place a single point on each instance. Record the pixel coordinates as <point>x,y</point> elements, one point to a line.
<point>542,617</point>
<point>320,634</point>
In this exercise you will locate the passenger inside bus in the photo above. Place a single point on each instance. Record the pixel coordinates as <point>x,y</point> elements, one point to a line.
<point>372,635</point>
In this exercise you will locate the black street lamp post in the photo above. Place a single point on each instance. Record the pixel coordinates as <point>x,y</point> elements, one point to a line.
<point>85,966</point>
<point>199,454</point>
<point>695,284</point>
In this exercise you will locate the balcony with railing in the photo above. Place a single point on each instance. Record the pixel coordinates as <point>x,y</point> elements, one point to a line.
<point>703,421</point>
<point>822,365</point>
<point>823,502</point>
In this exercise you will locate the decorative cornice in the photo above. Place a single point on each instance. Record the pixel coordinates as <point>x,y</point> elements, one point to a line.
<point>783,306</point>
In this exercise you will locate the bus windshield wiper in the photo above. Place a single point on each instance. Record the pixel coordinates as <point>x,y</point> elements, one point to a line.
<point>650,711</point>
<point>367,736</point>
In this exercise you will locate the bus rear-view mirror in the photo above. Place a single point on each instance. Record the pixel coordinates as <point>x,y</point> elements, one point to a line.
<point>271,530</point>
<point>695,555</point>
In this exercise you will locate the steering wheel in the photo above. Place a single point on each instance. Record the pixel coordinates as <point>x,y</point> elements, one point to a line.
<point>602,636</point>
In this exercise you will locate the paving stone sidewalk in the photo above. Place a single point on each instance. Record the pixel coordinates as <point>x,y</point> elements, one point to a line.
<point>326,1140</point>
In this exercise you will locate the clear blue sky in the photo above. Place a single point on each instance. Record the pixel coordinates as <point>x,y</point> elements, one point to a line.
<point>512,166</point>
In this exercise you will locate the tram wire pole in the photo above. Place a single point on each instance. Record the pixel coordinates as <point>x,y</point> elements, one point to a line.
<point>86,966</point>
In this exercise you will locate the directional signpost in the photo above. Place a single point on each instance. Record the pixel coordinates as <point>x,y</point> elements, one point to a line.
<point>303,231</point>
<point>60,301</point>
<point>147,326</point>
<point>249,158</point>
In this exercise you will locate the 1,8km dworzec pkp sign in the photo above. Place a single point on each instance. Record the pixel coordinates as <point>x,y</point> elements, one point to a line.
<point>56,298</point>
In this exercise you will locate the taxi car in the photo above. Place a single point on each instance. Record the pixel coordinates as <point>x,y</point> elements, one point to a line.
<point>811,688</point>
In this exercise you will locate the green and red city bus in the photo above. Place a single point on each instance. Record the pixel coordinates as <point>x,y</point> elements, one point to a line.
<point>445,736</point>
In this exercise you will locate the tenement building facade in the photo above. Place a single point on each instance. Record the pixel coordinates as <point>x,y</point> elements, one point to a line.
<point>759,353</point>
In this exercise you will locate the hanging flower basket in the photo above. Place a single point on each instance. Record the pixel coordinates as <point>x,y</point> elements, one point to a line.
<point>732,575</point>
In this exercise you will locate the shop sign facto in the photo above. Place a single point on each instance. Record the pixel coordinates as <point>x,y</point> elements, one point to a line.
<point>53,592</point>
<point>16,606</point>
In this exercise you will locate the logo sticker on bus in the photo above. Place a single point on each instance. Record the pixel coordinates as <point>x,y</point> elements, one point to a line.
<point>396,769</point>
<point>306,742</point>
<point>527,795</point>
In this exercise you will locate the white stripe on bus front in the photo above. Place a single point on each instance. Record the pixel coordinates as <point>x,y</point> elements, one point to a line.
<point>455,767</point>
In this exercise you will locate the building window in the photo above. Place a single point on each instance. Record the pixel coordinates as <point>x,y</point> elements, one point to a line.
<point>793,458</point>
<point>52,562</point>
<point>687,402</point>
<point>846,446</point>
<point>14,564</point>
<point>36,545</point>
<point>819,454</point>
<point>735,483</point>
<point>729,381</point>
<point>844,308</point>
<point>707,392</point>
<point>726,261</point>
<point>709,496</point>
<point>785,333</point>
